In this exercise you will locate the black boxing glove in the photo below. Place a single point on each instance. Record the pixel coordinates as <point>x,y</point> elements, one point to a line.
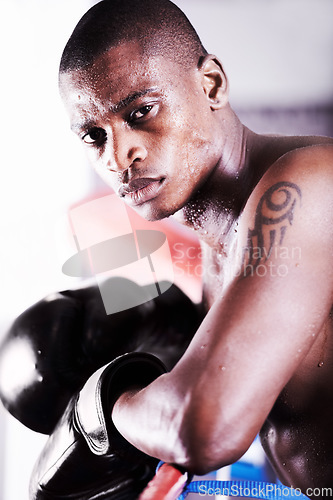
<point>86,457</point>
<point>53,347</point>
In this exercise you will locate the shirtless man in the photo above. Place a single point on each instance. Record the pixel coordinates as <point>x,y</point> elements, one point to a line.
<point>158,128</point>
<point>151,108</point>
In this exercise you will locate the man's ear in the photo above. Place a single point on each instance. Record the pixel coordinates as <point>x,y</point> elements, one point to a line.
<point>214,82</point>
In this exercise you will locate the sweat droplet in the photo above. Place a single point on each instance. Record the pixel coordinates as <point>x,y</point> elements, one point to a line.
<point>320,364</point>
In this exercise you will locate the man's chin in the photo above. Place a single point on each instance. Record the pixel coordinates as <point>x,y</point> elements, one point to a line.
<point>152,214</point>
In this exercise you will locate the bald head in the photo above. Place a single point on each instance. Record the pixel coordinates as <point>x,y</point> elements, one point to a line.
<point>159,26</point>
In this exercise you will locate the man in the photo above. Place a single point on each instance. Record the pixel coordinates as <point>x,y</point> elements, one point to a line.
<point>151,107</point>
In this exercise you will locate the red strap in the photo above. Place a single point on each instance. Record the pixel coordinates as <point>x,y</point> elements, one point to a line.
<point>167,484</point>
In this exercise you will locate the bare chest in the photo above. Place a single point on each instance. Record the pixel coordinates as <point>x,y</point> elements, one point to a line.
<point>297,435</point>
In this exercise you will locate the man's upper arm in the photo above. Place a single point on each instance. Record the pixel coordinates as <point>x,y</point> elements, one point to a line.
<point>289,214</point>
<point>254,337</point>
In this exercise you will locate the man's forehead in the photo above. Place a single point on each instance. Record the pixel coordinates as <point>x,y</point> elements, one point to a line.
<point>119,71</point>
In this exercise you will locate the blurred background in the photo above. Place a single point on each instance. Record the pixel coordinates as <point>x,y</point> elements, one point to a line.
<point>278,57</point>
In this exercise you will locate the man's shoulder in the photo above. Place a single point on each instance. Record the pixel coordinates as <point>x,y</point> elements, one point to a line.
<point>308,160</point>
<point>309,167</point>
<point>296,190</point>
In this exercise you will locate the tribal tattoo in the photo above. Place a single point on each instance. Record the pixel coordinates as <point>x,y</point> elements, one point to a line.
<point>271,222</point>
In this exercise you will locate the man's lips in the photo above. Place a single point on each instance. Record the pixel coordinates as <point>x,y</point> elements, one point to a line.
<point>135,185</point>
<point>140,190</point>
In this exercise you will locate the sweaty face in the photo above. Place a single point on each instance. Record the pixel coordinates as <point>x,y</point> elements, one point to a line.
<point>146,126</point>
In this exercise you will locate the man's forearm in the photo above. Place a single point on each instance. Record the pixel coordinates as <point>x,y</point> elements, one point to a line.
<point>167,420</point>
<point>150,419</point>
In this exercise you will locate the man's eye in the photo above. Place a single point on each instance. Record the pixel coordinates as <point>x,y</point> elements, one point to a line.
<point>140,113</point>
<point>96,135</point>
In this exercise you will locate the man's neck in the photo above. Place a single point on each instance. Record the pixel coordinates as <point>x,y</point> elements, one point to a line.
<point>215,208</point>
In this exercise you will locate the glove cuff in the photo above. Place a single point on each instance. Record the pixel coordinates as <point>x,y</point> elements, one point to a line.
<point>95,401</point>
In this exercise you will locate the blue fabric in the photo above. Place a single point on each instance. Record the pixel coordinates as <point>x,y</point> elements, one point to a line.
<point>244,489</point>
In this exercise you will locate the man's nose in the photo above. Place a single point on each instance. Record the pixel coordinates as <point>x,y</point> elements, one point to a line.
<point>125,148</point>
